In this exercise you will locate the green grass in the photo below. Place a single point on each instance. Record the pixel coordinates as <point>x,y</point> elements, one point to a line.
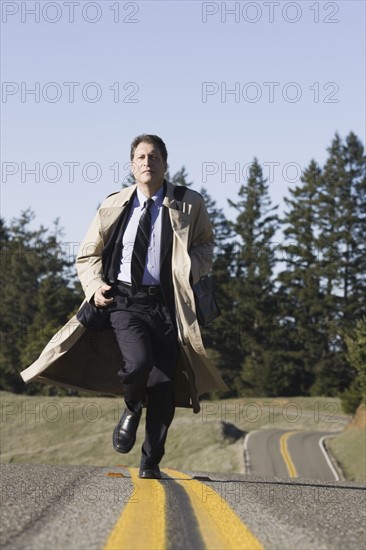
<point>78,430</point>
<point>349,449</point>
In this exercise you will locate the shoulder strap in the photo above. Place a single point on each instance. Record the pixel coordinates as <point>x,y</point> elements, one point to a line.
<point>179,191</point>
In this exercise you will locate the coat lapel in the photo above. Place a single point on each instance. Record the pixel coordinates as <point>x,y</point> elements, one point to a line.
<point>167,236</point>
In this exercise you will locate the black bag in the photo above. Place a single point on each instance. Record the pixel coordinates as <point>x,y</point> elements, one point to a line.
<point>93,317</point>
<point>207,309</point>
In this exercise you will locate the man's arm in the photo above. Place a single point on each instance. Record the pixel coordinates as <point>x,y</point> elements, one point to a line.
<point>202,243</point>
<point>89,265</point>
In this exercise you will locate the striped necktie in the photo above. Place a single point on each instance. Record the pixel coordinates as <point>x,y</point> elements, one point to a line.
<point>140,247</point>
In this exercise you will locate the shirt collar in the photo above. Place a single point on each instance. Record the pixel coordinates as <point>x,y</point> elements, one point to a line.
<point>157,198</point>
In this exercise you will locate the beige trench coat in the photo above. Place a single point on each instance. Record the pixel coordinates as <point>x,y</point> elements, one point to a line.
<point>89,360</point>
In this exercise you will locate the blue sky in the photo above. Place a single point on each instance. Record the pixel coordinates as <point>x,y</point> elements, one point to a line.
<point>296,69</point>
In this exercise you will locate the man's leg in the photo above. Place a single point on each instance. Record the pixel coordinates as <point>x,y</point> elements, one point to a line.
<point>160,388</point>
<point>134,340</point>
<point>148,343</point>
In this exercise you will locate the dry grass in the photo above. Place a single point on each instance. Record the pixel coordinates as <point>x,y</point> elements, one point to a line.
<point>78,430</point>
<point>349,448</point>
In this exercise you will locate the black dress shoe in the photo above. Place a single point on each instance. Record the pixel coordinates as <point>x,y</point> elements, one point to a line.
<point>124,434</point>
<point>150,472</point>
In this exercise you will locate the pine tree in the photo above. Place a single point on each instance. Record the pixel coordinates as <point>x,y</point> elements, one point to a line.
<point>342,247</point>
<point>252,286</point>
<point>322,290</point>
<point>39,293</point>
<point>342,225</point>
<point>300,295</point>
<point>179,178</point>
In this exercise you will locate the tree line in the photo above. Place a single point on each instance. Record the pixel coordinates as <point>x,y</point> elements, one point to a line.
<point>293,313</point>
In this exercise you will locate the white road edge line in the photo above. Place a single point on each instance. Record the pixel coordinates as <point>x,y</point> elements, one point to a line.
<point>324,451</point>
<point>247,467</point>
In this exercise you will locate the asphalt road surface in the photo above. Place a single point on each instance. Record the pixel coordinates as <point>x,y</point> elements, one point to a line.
<point>289,454</point>
<point>81,507</point>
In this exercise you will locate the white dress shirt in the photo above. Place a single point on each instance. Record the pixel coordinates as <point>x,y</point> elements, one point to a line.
<point>152,267</point>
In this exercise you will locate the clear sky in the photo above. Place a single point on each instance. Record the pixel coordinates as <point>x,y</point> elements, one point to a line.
<point>220,82</point>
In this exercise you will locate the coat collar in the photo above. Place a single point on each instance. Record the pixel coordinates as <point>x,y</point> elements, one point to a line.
<point>122,197</point>
<point>117,202</point>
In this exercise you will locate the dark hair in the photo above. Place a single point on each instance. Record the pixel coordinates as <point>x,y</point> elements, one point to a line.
<point>154,140</point>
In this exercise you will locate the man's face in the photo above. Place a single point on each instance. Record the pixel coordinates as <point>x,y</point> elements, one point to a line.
<point>148,166</point>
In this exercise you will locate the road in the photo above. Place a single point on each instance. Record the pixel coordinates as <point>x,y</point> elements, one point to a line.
<point>289,454</point>
<point>82,507</point>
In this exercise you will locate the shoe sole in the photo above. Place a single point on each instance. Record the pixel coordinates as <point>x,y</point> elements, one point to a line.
<point>153,476</point>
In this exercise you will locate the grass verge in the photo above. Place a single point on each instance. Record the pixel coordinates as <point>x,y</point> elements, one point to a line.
<point>349,448</point>
<point>78,430</point>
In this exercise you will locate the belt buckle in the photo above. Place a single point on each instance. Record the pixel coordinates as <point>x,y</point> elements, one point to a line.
<point>152,290</point>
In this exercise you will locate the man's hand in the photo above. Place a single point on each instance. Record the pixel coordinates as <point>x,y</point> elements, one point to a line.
<point>99,296</point>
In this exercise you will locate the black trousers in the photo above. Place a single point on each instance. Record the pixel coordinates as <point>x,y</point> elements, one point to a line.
<point>149,346</point>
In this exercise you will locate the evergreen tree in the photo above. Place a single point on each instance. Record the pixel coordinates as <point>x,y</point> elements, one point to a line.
<point>342,248</point>
<point>39,294</point>
<point>300,295</point>
<point>252,287</point>
<point>322,290</point>
<point>342,226</point>
<point>179,178</point>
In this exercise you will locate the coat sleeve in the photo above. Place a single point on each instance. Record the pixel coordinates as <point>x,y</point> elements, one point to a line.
<point>89,259</point>
<point>201,242</point>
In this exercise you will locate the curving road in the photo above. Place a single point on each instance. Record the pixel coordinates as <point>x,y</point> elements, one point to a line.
<point>287,454</point>
<point>109,508</point>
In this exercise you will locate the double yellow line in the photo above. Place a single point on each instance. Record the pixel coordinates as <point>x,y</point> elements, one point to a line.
<point>143,522</point>
<point>292,472</point>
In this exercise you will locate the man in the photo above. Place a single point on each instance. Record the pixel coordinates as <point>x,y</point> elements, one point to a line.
<point>139,258</point>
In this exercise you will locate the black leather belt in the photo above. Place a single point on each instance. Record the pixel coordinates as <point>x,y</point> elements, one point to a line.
<point>153,290</point>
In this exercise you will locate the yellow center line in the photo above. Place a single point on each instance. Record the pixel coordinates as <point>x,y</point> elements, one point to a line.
<point>286,455</point>
<point>220,527</point>
<point>142,524</point>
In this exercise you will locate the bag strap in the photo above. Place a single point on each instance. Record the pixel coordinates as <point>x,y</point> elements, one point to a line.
<point>179,191</point>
